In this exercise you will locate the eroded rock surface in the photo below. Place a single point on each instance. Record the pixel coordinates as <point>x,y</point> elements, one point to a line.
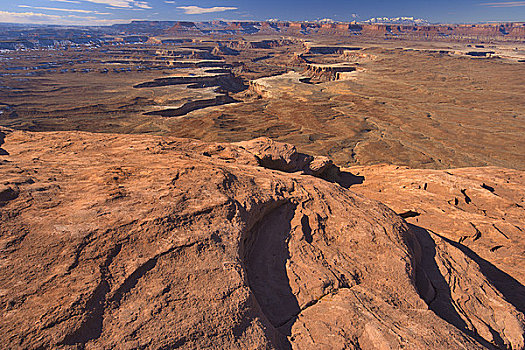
<point>121,241</point>
<point>473,212</point>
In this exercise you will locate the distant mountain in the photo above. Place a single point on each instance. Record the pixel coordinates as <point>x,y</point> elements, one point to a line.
<point>397,20</point>
<point>325,20</point>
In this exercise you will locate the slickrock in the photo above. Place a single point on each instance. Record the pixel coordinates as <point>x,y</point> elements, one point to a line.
<point>276,155</point>
<point>285,157</point>
<point>477,212</point>
<point>134,241</point>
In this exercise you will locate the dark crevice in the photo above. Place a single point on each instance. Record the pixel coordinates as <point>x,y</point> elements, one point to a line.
<point>409,214</point>
<point>307,230</point>
<point>443,304</point>
<point>487,187</point>
<point>304,307</point>
<point>477,235</point>
<point>501,232</point>
<point>466,197</point>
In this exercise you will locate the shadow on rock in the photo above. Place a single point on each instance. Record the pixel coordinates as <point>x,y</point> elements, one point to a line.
<point>509,287</point>
<point>3,152</point>
<point>284,157</point>
<point>437,295</point>
<point>265,255</point>
<point>346,179</point>
<point>436,291</point>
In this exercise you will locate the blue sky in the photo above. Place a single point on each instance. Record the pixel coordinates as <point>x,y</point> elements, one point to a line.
<point>105,12</point>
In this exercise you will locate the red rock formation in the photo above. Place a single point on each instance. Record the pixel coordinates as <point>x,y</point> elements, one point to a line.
<point>134,241</point>
<point>328,72</point>
<point>511,31</point>
<point>183,28</point>
<point>480,207</point>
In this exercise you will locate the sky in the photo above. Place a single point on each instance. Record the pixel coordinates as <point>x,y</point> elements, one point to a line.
<point>107,12</point>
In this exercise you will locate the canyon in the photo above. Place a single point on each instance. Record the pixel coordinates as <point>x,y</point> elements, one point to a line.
<point>265,185</point>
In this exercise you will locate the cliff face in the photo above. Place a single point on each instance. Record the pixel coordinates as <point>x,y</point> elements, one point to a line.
<point>134,241</point>
<point>328,72</point>
<point>183,28</point>
<point>496,30</point>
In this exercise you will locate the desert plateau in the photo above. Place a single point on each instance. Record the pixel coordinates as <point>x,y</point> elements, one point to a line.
<point>269,184</point>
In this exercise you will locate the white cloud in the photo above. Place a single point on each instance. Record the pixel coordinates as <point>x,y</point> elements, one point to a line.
<point>63,10</point>
<point>113,3</point>
<point>142,4</point>
<point>125,8</point>
<point>195,10</point>
<point>122,3</point>
<point>41,18</point>
<point>70,1</point>
<point>26,17</point>
<point>504,4</point>
<point>82,17</point>
<point>169,2</point>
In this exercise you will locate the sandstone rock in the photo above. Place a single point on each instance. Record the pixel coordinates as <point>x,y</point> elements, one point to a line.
<point>133,241</point>
<point>276,155</point>
<point>282,156</point>
<point>473,212</point>
<point>319,165</point>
